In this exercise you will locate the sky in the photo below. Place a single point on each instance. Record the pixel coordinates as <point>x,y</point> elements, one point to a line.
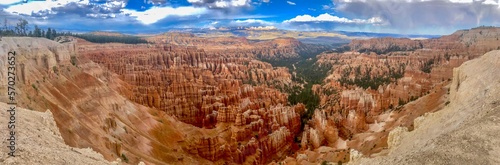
<point>433,17</point>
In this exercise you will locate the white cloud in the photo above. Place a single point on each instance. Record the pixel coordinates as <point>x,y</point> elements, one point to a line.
<point>221,3</point>
<point>155,14</point>
<point>290,3</point>
<point>110,9</point>
<point>253,21</point>
<point>8,2</point>
<point>50,7</point>
<point>40,6</point>
<point>250,23</point>
<point>326,7</point>
<point>331,18</point>
<point>492,2</point>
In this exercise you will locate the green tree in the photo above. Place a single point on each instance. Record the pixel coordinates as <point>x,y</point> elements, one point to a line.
<point>54,34</point>
<point>5,23</point>
<point>48,35</point>
<point>37,32</point>
<point>22,27</point>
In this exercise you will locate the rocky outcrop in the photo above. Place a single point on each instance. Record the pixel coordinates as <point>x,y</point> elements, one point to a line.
<point>384,45</point>
<point>82,97</point>
<point>367,93</point>
<point>38,141</point>
<point>467,124</point>
<point>186,82</point>
<point>211,91</point>
<point>45,55</point>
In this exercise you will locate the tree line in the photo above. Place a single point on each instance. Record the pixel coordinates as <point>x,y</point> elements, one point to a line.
<point>23,29</point>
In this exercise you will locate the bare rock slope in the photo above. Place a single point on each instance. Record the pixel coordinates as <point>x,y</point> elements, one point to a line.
<point>466,131</point>
<point>39,141</point>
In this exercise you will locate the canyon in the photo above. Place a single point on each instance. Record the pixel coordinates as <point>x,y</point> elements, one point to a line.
<point>468,124</point>
<point>183,99</point>
<point>243,123</point>
<point>380,84</point>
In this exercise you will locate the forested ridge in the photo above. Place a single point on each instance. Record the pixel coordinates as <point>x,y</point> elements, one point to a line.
<point>23,29</point>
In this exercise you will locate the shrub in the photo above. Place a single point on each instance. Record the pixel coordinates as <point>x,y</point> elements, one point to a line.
<point>73,60</point>
<point>125,159</point>
<point>54,68</point>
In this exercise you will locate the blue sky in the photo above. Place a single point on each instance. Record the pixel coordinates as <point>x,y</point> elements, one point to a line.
<point>435,17</point>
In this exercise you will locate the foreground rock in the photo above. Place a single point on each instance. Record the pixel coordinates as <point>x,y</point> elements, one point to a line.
<point>465,131</point>
<point>39,141</point>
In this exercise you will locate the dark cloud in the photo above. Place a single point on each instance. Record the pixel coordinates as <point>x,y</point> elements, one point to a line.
<point>409,15</point>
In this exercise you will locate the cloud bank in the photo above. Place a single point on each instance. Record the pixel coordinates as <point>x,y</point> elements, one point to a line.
<point>396,16</point>
<point>417,14</point>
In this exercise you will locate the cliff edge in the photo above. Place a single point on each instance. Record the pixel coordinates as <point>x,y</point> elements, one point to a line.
<point>466,131</point>
<point>38,141</point>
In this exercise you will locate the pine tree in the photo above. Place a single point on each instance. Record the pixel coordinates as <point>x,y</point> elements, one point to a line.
<point>54,34</point>
<point>22,27</point>
<point>49,34</point>
<point>37,32</point>
<point>5,24</point>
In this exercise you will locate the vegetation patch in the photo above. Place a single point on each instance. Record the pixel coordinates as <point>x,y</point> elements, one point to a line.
<point>307,73</point>
<point>126,39</point>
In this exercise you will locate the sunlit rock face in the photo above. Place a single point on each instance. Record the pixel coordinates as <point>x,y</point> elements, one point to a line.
<point>372,81</point>
<point>254,123</point>
<point>192,100</point>
<point>85,107</point>
<point>275,49</point>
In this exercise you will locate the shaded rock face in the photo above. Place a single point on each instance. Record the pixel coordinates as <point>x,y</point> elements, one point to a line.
<point>384,45</point>
<point>39,140</point>
<point>243,123</point>
<point>134,100</point>
<point>87,109</point>
<point>364,88</point>
<point>189,84</point>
